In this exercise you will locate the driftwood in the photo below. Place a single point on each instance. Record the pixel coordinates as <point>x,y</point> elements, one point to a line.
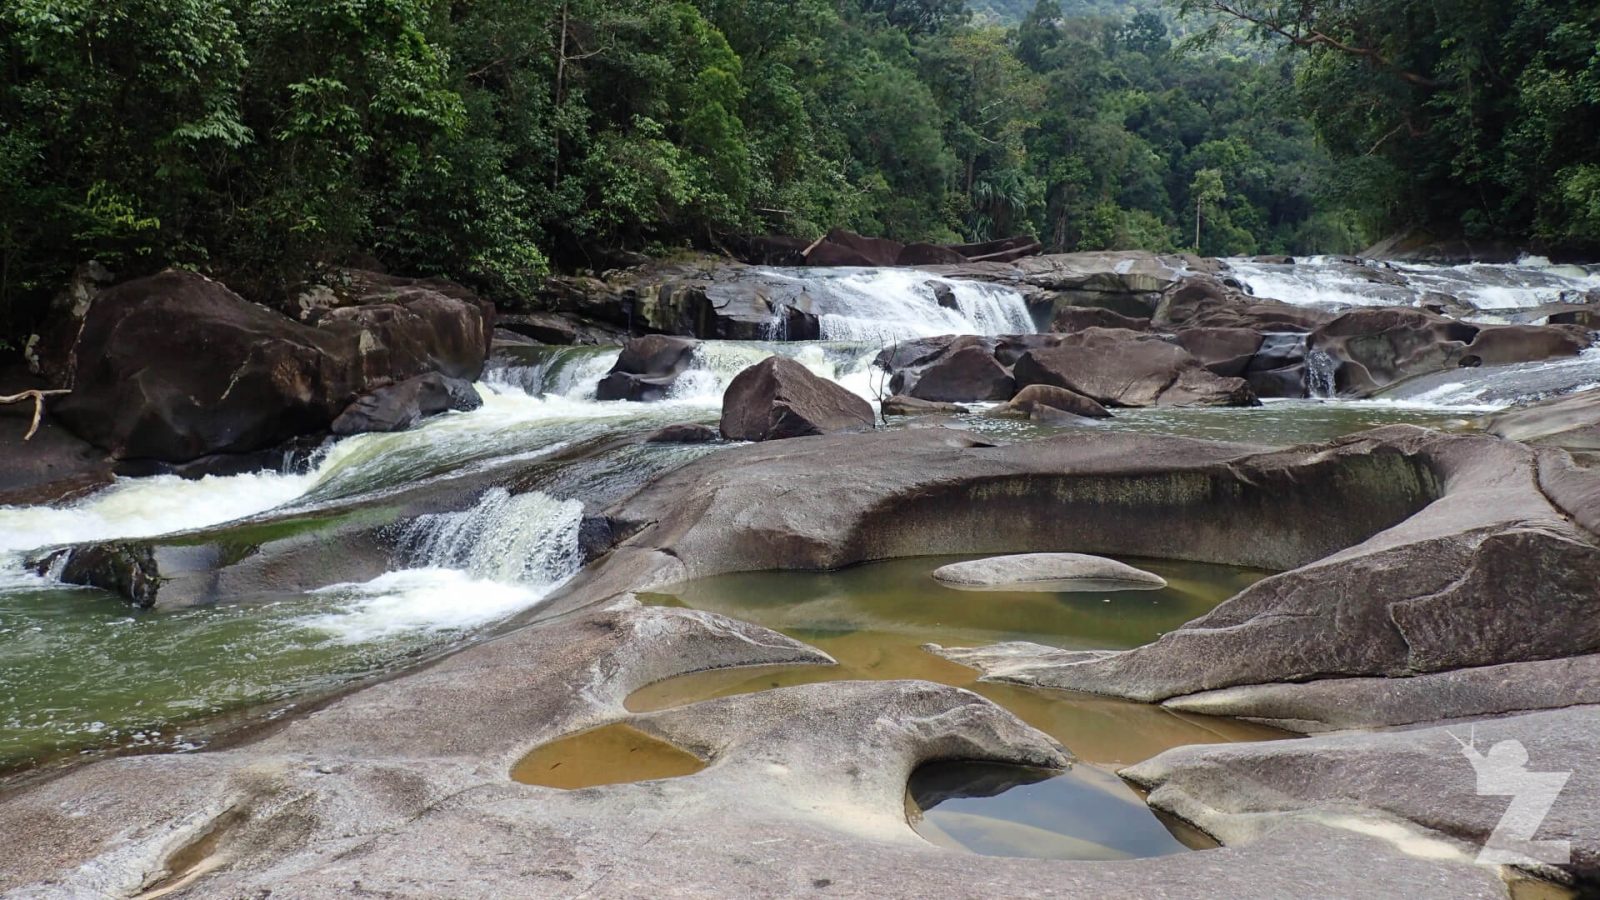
<point>38,406</point>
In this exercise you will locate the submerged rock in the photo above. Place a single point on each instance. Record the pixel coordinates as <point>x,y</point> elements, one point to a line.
<point>1047,572</point>
<point>779,398</point>
<point>687,433</point>
<point>901,405</point>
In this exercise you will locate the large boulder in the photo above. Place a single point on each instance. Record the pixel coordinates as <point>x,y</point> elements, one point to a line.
<point>778,398</point>
<point>399,407</point>
<point>647,368</point>
<point>1129,369</point>
<point>1207,303</point>
<point>1508,344</point>
<point>176,366</point>
<point>1077,318</point>
<point>1225,351</point>
<point>965,375</point>
<point>1374,348</point>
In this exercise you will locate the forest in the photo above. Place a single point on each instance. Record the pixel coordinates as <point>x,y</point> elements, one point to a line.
<point>492,141</point>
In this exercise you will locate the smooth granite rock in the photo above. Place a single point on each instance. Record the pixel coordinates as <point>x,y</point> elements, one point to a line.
<point>1047,572</point>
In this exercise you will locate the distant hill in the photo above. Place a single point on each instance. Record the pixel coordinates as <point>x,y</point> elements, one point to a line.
<point>1010,12</point>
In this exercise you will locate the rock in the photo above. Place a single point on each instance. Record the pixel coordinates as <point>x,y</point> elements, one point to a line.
<point>401,406</point>
<point>778,398</point>
<point>142,390</point>
<point>1278,350</point>
<point>968,373</point>
<point>1572,421</point>
<point>1419,246</point>
<point>1128,369</point>
<point>928,255</point>
<point>846,248</point>
<point>125,568</point>
<point>945,294</point>
<point>1338,704</point>
<point>964,375</point>
<point>1206,303</point>
<point>1224,351</point>
<point>1506,344</point>
<point>1376,347</point>
<point>1078,318</point>
<point>1041,400</point>
<point>1424,593</point>
<point>1440,781</point>
<point>901,405</point>
<point>1011,348</point>
<point>55,465</point>
<point>688,433</point>
<point>1047,572</point>
<point>561,329</point>
<point>647,368</point>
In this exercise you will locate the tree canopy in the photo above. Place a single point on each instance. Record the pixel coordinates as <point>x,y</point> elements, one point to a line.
<point>488,141</point>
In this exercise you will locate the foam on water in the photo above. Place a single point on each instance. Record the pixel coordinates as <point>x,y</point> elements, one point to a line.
<point>415,600</point>
<point>146,507</point>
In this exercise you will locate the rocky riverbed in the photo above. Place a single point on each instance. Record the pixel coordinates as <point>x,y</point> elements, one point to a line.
<point>459,584</point>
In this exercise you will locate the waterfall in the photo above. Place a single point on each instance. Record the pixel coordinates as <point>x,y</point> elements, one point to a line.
<point>1320,382</point>
<point>528,538</point>
<point>889,305</point>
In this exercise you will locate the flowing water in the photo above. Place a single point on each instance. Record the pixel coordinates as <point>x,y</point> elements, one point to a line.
<point>1489,290</point>
<point>881,306</point>
<point>80,670</point>
<point>875,619</point>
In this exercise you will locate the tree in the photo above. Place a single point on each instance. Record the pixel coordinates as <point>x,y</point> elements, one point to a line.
<point>1207,192</point>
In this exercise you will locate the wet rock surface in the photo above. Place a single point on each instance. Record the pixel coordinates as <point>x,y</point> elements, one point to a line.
<point>401,406</point>
<point>1572,422</point>
<point>647,368</point>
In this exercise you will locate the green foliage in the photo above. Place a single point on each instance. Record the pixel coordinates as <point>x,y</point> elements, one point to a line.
<point>1485,116</point>
<point>489,141</point>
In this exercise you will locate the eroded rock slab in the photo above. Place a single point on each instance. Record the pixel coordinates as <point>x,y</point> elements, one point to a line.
<point>1452,781</point>
<point>1047,572</point>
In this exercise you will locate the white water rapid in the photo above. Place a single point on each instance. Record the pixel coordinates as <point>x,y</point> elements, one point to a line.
<point>1489,290</point>
<point>880,306</point>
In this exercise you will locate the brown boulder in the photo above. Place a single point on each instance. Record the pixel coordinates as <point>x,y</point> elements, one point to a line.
<point>1507,344</point>
<point>1077,318</point>
<point>1043,402</point>
<point>1224,351</point>
<point>928,255</point>
<point>647,368</point>
<point>966,375</point>
<point>1128,369</point>
<point>778,398</point>
<point>399,407</point>
<point>1207,303</point>
<point>901,405</point>
<point>1374,348</point>
<point>176,366</point>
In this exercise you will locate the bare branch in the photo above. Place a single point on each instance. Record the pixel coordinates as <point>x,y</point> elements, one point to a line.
<point>38,406</point>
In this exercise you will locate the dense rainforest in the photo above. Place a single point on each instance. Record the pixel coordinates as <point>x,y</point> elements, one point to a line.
<point>491,139</point>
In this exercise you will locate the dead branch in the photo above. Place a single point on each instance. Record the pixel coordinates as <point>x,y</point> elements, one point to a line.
<point>38,406</point>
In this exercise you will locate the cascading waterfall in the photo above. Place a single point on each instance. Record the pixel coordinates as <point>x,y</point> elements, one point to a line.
<point>1320,381</point>
<point>529,538</point>
<point>886,305</point>
<point>1488,291</point>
